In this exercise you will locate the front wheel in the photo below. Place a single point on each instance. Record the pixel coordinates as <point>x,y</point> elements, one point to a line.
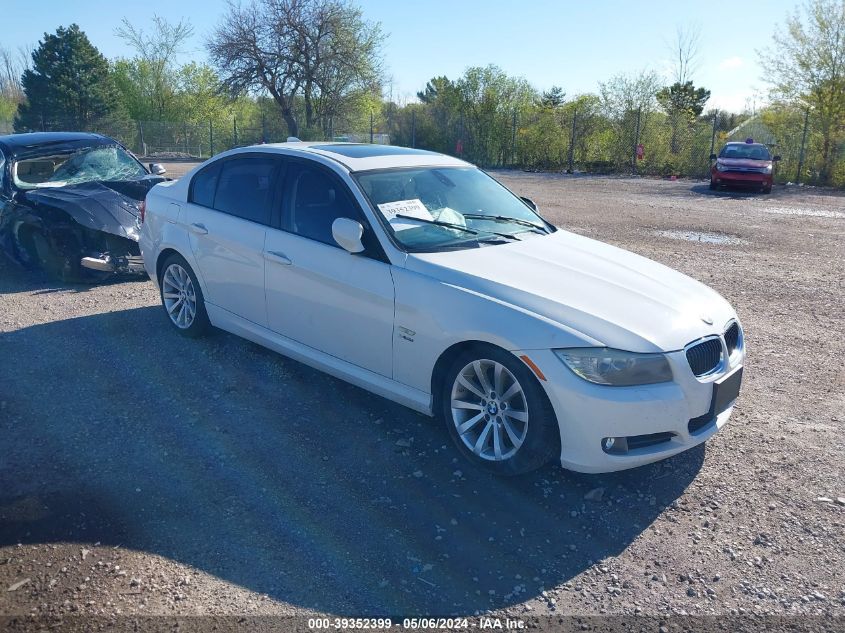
<point>712,185</point>
<point>767,189</point>
<point>497,413</point>
<point>182,298</point>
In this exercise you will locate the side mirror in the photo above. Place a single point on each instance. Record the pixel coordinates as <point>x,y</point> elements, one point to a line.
<point>347,233</point>
<point>529,202</point>
<point>157,169</point>
<point>776,157</point>
<point>712,156</point>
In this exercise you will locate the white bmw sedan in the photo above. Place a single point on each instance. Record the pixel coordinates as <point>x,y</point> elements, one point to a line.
<point>422,279</point>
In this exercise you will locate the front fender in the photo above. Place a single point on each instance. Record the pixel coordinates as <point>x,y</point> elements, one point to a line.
<point>432,316</point>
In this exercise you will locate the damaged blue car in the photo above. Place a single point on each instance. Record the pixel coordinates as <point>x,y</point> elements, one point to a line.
<point>71,204</point>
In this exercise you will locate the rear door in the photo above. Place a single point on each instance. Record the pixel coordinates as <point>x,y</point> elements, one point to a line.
<point>229,208</point>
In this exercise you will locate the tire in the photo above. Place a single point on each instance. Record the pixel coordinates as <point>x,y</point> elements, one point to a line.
<point>57,264</point>
<point>713,186</point>
<point>767,189</point>
<point>520,430</point>
<point>184,305</point>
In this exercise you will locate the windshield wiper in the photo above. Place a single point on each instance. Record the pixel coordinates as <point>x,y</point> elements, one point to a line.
<point>504,218</point>
<point>449,225</point>
<point>460,227</point>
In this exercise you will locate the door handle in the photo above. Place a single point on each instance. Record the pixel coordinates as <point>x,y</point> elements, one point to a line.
<point>277,257</point>
<point>199,229</point>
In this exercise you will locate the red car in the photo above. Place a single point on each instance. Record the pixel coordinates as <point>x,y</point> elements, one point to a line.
<point>746,164</point>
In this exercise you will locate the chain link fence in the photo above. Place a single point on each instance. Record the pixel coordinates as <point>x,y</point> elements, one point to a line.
<point>647,143</point>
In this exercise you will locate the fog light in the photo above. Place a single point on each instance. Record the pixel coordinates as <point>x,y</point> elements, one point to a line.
<point>615,445</point>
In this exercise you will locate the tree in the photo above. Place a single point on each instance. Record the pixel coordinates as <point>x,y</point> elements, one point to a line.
<point>11,91</point>
<point>69,84</point>
<point>625,94</point>
<point>683,99</point>
<point>552,99</point>
<point>489,100</point>
<point>683,102</point>
<point>321,51</point>
<point>152,71</point>
<point>806,67</point>
<point>685,51</point>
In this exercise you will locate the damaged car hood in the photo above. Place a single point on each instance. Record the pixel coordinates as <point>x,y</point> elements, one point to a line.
<point>611,295</point>
<point>111,207</point>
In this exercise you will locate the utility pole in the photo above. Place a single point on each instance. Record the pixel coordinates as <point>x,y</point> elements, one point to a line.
<point>636,142</point>
<point>803,143</point>
<point>572,141</point>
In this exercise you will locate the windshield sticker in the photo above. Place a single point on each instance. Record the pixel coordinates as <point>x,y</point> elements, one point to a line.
<point>413,208</point>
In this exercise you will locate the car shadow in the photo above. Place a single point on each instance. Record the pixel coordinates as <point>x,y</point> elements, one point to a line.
<point>265,473</point>
<point>737,193</point>
<point>15,278</point>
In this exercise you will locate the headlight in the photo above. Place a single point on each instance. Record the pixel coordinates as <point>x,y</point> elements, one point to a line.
<point>605,366</point>
<point>767,169</point>
<point>720,166</point>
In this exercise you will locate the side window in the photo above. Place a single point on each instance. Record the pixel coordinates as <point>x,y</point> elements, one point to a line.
<point>314,201</point>
<point>204,184</point>
<point>245,188</point>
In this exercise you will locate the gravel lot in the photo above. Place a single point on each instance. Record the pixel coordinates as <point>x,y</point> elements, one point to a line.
<point>142,473</point>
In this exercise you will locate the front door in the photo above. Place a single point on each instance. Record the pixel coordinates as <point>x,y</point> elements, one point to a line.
<point>317,293</point>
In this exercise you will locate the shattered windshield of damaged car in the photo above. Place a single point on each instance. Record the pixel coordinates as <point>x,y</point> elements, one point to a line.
<point>86,165</point>
<point>448,207</point>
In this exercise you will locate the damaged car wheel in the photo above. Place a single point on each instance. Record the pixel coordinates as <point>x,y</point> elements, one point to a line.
<point>182,298</point>
<point>52,260</point>
<point>57,256</point>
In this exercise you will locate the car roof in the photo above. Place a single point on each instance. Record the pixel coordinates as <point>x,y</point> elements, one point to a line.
<point>364,157</point>
<point>745,143</point>
<point>31,142</point>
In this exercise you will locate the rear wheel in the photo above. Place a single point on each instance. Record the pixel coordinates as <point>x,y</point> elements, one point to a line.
<point>497,413</point>
<point>182,298</point>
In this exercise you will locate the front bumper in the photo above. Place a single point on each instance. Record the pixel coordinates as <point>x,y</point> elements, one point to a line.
<point>658,417</point>
<point>746,178</point>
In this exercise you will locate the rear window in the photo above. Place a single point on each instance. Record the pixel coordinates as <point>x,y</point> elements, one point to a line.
<point>242,187</point>
<point>245,187</point>
<point>204,185</point>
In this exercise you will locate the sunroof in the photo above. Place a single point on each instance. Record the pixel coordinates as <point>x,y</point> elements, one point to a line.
<point>353,150</point>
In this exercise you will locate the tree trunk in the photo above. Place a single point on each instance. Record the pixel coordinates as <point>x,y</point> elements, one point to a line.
<point>290,121</point>
<point>827,157</point>
<point>309,107</point>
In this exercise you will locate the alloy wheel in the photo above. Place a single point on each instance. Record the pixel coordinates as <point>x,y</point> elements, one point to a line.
<point>489,410</point>
<point>179,295</point>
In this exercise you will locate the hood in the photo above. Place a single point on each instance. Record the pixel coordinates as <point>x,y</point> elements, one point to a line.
<point>111,207</point>
<point>744,162</point>
<point>608,294</point>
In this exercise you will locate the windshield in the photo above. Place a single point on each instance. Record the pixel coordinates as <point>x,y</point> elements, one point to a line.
<point>85,165</point>
<point>746,151</point>
<point>431,208</point>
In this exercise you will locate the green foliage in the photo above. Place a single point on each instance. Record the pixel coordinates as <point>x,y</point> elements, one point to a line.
<point>553,98</point>
<point>69,85</point>
<point>683,99</point>
<point>806,69</point>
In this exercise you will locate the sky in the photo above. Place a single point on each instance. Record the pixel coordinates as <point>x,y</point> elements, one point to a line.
<point>574,45</point>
